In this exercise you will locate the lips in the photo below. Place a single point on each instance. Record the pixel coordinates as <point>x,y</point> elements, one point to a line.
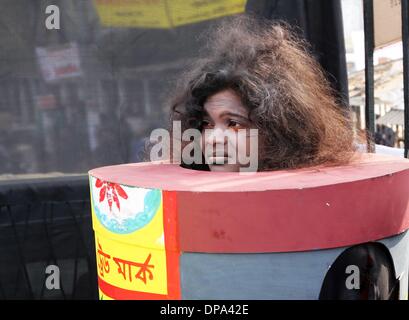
<point>217,156</point>
<point>214,160</point>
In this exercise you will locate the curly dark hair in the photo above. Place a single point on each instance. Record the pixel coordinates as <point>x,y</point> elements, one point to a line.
<point>289,99</point>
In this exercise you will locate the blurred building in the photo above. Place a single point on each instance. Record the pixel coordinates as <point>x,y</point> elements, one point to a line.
<point>89,93</point>
<point>84,95</point>
<point>388,86</point>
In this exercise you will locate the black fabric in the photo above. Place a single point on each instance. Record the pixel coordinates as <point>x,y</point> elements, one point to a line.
<point>46,222</point>
<point>320,22</point>
<point>377,279</point>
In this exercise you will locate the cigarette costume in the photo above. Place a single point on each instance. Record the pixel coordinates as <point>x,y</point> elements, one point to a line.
<point>165,232</point>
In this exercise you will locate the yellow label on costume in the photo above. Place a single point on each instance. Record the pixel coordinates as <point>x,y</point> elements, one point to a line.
<point>131,253</point>
<point>164,13</point>
<point>103,296</point>
<point>129,237</point>
<point>131,268</point>
<point>135,218</point>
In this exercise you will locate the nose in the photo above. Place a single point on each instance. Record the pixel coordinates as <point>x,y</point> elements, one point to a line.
<point>216,142</point>
<point>215,137</point>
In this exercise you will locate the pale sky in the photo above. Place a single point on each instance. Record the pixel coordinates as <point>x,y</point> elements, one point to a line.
<point>354,37</point>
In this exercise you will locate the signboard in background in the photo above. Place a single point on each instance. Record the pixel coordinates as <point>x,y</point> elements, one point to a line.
<point>59,62</point>
<point>387,22</point>
<point>164,13</point>
<point>46,102</point>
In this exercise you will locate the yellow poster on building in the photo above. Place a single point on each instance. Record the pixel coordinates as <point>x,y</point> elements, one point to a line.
<point>164,13</point>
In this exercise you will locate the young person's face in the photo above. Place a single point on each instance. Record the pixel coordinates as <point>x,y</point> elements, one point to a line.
<point>224,115</point>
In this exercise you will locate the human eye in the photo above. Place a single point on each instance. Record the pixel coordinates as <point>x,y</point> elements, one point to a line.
<point>234,124</point>
<point>206,124</point>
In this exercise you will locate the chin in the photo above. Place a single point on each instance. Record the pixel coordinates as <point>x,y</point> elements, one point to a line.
<point>224,168</point>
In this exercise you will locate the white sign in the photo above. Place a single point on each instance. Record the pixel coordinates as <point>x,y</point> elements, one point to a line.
<point>59,62</point>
